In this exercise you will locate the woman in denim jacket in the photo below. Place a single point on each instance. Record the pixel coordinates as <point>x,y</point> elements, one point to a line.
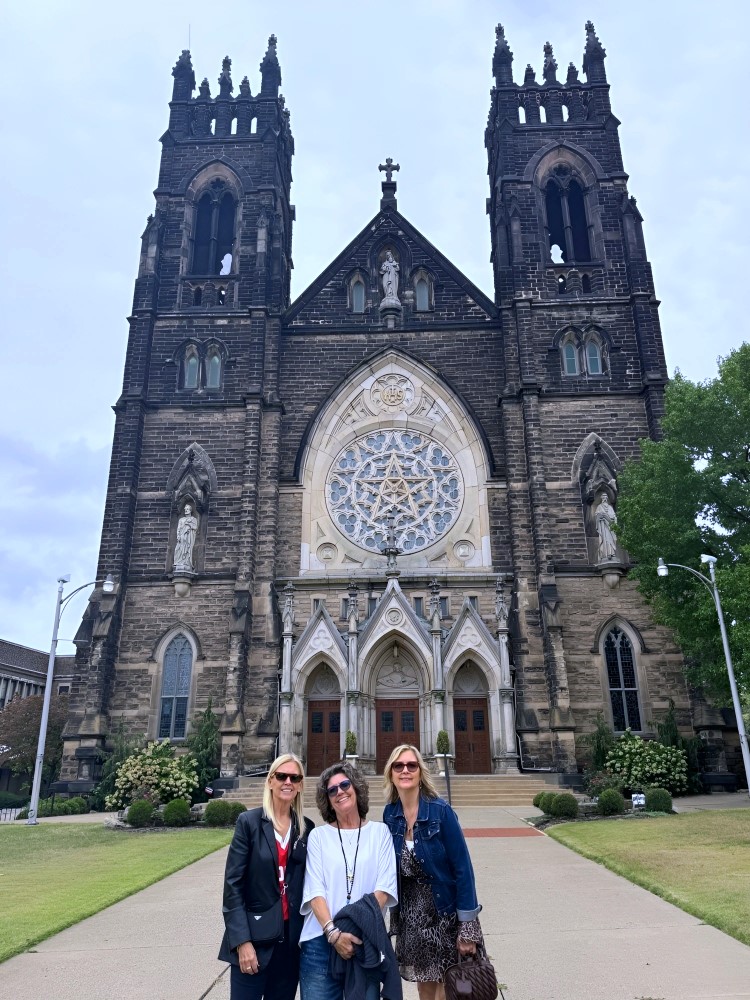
<point>438,909</point>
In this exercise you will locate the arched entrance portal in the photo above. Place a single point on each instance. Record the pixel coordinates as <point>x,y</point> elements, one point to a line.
<point>323,720</point>
<point>471,721</point>
<point>396,703</point>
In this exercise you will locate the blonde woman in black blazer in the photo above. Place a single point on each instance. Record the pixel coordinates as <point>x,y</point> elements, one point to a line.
<point>257,883</point>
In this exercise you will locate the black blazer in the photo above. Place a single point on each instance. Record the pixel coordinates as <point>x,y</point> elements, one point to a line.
<point>251,881</point>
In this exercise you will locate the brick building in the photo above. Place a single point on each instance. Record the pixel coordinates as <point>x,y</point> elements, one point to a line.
<point>387,506</point>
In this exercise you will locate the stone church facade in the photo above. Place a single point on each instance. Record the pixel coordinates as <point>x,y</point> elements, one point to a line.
<point>390,505</point>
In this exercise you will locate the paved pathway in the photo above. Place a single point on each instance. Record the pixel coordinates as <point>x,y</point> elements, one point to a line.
<point>558,927</point>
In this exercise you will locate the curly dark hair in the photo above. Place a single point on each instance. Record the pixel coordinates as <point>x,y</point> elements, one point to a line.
<point>361,790</point>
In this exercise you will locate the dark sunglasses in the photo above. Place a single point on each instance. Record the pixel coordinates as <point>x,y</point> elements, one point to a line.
<point>283,776</point>
<point>405,765</point>
<point>343,786</point>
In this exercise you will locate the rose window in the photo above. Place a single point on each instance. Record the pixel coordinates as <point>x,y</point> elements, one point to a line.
<point>401,476</point>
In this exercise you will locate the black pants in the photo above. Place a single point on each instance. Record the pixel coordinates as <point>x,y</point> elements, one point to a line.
<point>277,981</point>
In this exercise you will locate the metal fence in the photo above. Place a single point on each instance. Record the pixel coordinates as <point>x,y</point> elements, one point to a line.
<point>8,815</point>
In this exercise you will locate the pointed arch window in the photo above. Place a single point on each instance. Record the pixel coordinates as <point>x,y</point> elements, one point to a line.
<point>213,230</point>
<point>422,294</point>
<point>594,364</point>
<point>190,370</point>
<point>567,224</point>
<point>175,688</point>
<point>358,295</point>
<point>619,659</point>
<point>213,369</point>
<point>570,358</point>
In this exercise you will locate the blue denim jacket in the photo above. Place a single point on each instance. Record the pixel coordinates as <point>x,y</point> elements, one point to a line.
<point>440,846</point>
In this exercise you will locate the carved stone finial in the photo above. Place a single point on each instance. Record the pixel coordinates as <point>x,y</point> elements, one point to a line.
<point>501,608</point>
<point>245,87</point>
<point>529,76</point>
<point>593,56</point>
<point>389,185</point>
<point>434,597</point>
<point>225,79</point>
<point>270,71</point>
<point>391,549</point>
<point>502,60</point>
<point>572,75</point>
<point>205,89</point>
<point>550,64</point>
<point>184,77</point>
<point>352,606</point>
<point>288,612</point>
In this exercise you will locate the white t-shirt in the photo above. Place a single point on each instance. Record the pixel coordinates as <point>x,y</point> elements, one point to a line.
<point>325,874</point>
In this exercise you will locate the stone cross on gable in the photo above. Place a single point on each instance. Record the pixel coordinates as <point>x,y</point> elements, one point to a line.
<point>389,166</point>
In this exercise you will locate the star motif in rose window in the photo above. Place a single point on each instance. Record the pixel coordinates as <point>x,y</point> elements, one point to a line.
<point>397,491</point>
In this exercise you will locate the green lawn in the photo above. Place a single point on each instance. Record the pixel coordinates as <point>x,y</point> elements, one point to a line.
<point>55,874</point>
<point>698,861</point>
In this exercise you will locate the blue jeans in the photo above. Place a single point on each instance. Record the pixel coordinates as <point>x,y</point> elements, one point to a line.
<point>315,983</point>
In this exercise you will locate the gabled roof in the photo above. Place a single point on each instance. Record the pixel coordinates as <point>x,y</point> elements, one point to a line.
<point>389,223</point>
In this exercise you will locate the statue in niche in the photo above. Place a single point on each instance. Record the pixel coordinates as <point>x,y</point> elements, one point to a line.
<point>187,528</point>
<point>605,519</point>
<point>389,269</point>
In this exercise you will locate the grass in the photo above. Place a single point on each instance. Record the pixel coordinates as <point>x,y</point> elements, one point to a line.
<point>698,861</point>
<point>55,874</point>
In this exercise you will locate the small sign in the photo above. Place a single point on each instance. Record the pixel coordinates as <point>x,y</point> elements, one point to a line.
<point>639,800</point>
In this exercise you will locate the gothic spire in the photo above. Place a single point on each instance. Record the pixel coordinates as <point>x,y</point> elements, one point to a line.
<point>205,90</point>
<point>225,80</point>
<point>572,75</point>
<point>593,57</point>
<point>270,71</point>
<point>184,77</point>
<point>550,65</point>
<point>529,76</point>
<point>502,60</point>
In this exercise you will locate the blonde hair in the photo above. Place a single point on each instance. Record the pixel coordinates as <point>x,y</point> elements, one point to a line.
<point>426,786</point>
<point>297,805</point>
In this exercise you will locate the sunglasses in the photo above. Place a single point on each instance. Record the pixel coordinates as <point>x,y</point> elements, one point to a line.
<point>405,765</point>
<point>343,786</point>
<point>282,776</point>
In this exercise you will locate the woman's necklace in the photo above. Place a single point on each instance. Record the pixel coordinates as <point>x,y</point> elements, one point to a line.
<point>349,878</point>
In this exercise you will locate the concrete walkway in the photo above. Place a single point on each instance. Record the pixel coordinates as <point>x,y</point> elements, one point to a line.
<point>558,927</point>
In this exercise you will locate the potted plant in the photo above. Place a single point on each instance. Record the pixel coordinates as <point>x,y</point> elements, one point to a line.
<point>442,750</point>
<point>350,746</point>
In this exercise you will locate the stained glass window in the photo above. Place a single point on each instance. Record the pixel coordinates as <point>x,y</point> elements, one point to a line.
<point>175,688</point>
<point>394,474</point>
<point>623,683</point>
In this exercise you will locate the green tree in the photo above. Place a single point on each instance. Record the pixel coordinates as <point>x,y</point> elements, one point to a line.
<point>690,494</point>
<point>204,744</point>
<point>19,736</point>
<point>122,746</point>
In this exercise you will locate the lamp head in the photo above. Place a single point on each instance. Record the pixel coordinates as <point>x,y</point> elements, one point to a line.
<point>65,578</point>
<point>109,584</point>
<point>708,559</point>
<point>661,568</point>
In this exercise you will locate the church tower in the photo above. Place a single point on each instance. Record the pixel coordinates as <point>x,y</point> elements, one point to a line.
<point>185,543</point>
<point>585,376</point>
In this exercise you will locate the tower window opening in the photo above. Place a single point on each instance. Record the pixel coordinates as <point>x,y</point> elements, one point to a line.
<point>593,358</point>
<point>562,284</point>
<point>422,295</point>
<point>358,296</point>
<point>212,126</point>
<point>521,114</point>
<point>214,234</point>
<point>234,126</point>
<point>586,283</point>
<point>555,222</point>
<point>566,220</point>
<point>226,264</point>
<point>191,369</point>
<point>254,126</point>
<point>198,297</point>
<point>221,296</point>
<point>565,112</point>
<point>570,358</point>
<point>213,370</point>
<point>225,230</point>
<point>542,114</point>
<point>578,224</point>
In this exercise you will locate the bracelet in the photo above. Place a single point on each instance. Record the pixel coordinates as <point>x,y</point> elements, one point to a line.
<point>330,935</point>
<point>327,927</point>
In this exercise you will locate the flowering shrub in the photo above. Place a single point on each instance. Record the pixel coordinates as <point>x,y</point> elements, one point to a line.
<point>155,774</point>
<point>640,763</point>
<point>596,783</point>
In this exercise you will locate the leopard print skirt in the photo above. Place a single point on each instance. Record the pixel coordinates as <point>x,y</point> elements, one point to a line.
<point>425,940</point>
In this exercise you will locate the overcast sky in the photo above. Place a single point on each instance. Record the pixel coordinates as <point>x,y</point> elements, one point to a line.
<point>87,87</point>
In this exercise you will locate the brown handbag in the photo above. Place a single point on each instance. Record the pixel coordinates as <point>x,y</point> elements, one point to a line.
<point>472,978</point>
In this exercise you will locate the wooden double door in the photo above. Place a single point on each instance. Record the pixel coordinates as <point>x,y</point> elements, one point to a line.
<point>396,721</point>
<point>323,735</point>
<point>471,730</point>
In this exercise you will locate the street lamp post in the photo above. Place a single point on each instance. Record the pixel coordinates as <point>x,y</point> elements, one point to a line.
<point>662,569</point>
<point>108,586</point>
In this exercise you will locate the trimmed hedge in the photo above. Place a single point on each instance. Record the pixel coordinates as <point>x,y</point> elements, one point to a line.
<point>236,809</point>
<point>658,800</point>
<point>9,800</point>
<point>610,802</point>
<point>218,813</point>
<point>140,813</point>
<point>565,805</point>
<point>176,813</point>
<point>545,802</point>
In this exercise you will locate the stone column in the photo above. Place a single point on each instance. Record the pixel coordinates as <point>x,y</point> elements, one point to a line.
<point>285,722</point>
<point>509,756</point>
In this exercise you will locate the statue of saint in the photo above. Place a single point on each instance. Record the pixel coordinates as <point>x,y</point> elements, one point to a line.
<point>187,528</point>
<point>605,518</point>
<point>389,269</point>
